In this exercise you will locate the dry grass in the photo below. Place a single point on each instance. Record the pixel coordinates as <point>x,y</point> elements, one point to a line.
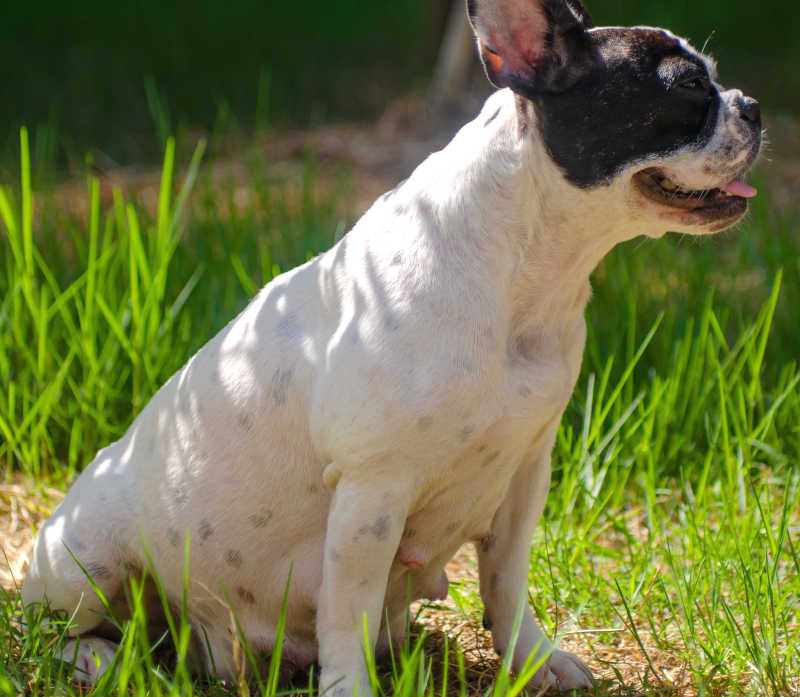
<point>23,508</point>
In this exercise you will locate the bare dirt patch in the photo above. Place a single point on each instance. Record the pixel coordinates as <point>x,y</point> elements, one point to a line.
<point>23,508</point>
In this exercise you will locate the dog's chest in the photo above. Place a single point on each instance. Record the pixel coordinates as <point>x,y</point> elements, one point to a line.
<point>514,425</point>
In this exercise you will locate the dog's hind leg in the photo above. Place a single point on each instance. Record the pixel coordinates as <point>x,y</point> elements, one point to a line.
<point>73,558</point>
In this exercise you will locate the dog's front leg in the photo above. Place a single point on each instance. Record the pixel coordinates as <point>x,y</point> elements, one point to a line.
<point>365,524</point>
<point>504,557</point>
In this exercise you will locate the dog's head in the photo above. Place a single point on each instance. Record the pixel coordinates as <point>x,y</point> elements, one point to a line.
<point>634,108</point>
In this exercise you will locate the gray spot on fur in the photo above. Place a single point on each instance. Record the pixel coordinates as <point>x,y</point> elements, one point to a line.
<point>246,595</point>
<point>179,495</point>
<point>397,259</point>
<point>206,530</point>
<point>333,555</point>
<point>524,391</point>
<point>281,379</point>
<point>173,537</point>
<point>73,543</point>
<point>494,582</point>
<point>380,528</point>
<point>97,570</point>
<point>287,327</point>
<point>425,422</point>
<point>452,527</point>
<point>466,432</point>
<point>245,421</point>
<point>233,557</point>
<point>260,519</point>
<point>490,458</point>
<point>351,335</point>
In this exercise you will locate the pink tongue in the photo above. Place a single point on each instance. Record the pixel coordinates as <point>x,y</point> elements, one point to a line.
<point>737,187</point>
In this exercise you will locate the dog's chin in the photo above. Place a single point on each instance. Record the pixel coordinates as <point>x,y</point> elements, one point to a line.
<point>698,212</point>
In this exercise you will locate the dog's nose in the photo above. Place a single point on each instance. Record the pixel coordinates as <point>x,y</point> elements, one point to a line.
<point>750,110</point>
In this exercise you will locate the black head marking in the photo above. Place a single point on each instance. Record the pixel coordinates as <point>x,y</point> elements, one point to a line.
<point>631,104</point>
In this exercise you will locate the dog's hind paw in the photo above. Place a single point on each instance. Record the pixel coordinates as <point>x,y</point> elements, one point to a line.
<point>93,658</point>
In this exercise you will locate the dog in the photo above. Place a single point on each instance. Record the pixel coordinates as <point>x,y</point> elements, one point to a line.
<point>373,409</point>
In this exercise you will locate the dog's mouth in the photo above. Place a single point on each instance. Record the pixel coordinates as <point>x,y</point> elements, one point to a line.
<point>701,206</point>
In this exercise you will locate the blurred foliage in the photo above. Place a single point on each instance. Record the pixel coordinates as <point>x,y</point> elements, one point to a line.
<point>112,74</point>
<point>119,76</point>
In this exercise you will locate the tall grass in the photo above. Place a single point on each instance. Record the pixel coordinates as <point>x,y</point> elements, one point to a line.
<point>96,314</point>
<point>673,525</point>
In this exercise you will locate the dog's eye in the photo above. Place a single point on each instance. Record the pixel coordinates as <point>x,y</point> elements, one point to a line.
<point>696,83</point>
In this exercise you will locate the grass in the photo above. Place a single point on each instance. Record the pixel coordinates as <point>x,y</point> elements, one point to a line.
<point>668,556</point>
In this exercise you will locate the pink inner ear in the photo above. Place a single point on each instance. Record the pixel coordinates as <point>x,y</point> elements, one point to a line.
<point>515,30</point>
<point>530,50</point>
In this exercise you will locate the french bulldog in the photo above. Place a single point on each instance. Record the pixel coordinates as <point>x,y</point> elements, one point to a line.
<point>399,395</point>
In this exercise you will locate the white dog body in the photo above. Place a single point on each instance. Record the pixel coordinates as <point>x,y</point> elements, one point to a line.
<point>419,356</point>
<point>372,410</point>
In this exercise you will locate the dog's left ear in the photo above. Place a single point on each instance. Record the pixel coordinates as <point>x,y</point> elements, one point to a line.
<point>531,46</point>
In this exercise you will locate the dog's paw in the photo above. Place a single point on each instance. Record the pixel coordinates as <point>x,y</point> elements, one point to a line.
<point>344,685</point>
<point>562,671</point>
<point>93,658</point>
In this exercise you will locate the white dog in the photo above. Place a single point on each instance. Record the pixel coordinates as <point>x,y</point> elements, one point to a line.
<point>372,410</point>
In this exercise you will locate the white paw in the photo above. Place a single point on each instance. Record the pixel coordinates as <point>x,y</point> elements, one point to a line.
<point>562,671</point>
<point>92,660</point>
<point>344,685</point>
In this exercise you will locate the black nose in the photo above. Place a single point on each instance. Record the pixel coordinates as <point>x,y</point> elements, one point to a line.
<point>750,110</point>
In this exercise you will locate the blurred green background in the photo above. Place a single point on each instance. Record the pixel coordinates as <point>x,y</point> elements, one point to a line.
<point>117,75</point>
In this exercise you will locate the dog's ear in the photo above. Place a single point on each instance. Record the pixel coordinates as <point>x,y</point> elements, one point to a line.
<point>531,46</point>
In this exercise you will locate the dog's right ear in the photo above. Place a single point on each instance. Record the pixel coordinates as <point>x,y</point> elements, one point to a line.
<point>531,46</point>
